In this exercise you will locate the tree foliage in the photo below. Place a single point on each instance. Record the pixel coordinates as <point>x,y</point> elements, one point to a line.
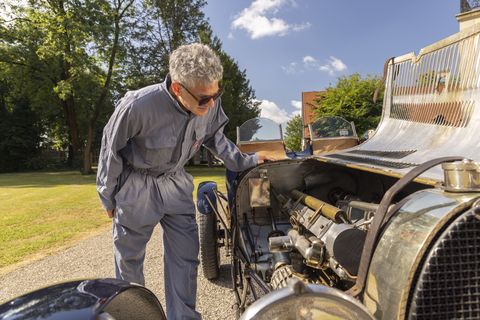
<point>293,134</point>
<point>20,130</point>
<point>61,49</point>
<point>160,26</point>
<point>66,62</point>
<point>352,99</point>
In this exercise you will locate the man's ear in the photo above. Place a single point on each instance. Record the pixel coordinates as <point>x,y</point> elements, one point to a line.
<point>176,88</point>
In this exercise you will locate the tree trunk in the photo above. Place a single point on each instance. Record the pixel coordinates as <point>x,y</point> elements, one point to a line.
<point>87,162</point>
<point>73,137</point>
<point>69,104</point>
<point>87,155</point>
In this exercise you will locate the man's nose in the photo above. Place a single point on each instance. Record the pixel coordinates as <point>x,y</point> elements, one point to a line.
<point>211,103</point>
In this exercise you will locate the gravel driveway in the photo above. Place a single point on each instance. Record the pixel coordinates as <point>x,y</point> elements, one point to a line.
<point>93,258</point>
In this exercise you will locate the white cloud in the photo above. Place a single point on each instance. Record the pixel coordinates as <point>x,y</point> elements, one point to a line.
<point>338,64</point>
<point>298,108</point>
<point>270,110</point>
<point>292,68</point>
<point>309,63</point>
<point>296,104</point>
<point>309,59</point>
<point>334,65</point>
<point>300,27</point>
<point>258,22</point>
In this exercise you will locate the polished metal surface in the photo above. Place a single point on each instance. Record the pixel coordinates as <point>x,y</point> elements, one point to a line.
<point>402,246</point>
<point>454,294</point>
<point>327,210</point>
<point>260,190</point>
<point>280,244</point>
<point>462,176</point>
<point>431,107</point>
<point>306,301</point>
<point>311,249</point>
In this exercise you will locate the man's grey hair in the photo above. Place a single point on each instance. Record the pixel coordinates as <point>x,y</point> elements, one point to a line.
<point>195,65</point>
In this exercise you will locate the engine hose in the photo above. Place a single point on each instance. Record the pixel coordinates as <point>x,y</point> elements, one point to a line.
<point>379,219</point>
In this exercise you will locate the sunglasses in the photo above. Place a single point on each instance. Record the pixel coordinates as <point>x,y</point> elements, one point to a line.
<point>206,99</point>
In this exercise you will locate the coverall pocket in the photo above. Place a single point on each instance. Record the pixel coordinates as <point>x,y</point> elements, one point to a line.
<point>122,179</point>
<point>159,150</point>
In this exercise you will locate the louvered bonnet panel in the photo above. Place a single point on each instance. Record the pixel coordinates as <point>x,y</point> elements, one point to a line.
<point>430,108</point>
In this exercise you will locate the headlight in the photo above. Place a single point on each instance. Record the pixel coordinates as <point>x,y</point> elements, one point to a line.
<point>301,301</point>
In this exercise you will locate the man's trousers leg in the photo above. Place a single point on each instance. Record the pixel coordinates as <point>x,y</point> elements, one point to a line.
<point>180,242</point>
<point>129,250</point>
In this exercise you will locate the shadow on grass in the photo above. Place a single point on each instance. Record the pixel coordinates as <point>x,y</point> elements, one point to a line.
<point>45,179</point>
<point>54,179</point>
<point>204,171</point>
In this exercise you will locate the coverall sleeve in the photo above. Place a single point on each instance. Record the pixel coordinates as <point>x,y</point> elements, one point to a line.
<point>120,128</point>
<point>225,149</point>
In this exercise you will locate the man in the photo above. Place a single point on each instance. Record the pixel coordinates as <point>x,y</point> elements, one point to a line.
<point>141,180</point>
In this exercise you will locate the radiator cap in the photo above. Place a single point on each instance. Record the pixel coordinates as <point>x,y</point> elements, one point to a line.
<point>462,176</point>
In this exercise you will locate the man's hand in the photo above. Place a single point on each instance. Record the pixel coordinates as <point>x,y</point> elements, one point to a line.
<point>263,156</point>
<point>111,213</point>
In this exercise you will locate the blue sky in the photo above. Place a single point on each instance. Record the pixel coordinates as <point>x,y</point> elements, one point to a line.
<point>290,46</point>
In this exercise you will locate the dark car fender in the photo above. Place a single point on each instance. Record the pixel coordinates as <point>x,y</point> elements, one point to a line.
<point>86,299</point>
<point>206,192</point>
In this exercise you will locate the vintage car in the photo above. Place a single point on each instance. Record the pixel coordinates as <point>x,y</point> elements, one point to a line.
<point>393,222</point>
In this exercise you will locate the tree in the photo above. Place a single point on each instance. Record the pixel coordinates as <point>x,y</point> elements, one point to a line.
<point>352,99</point>
<point>57,46</point>
<point>69,51</point>
<point>118,12</point>
<point>293,134</point>
<point>70,60</point>
<point>160,27</point>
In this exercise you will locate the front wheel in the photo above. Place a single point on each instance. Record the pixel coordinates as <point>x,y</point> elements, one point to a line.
<point>209,250</point>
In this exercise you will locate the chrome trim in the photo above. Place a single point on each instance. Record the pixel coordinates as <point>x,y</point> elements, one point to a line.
<point>297,288</point>
<point>402,246</point>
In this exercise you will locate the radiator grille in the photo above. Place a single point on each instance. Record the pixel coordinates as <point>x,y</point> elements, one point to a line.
<point>384,154</point>
<point>436,87</point>
<point>383,163</point>
<point>449,114</point>
<point>448,285</point>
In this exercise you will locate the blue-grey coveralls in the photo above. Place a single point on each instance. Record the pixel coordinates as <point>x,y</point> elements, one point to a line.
<point>146,143</point>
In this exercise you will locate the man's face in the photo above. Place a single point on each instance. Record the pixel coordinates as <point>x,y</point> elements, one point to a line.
<point>197,100</point>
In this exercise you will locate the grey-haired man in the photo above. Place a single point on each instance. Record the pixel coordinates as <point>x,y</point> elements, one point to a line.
<point>141,180</point>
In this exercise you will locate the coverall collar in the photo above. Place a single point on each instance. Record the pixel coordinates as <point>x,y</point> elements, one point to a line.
<point>166,86</point>
<point>199,129</point>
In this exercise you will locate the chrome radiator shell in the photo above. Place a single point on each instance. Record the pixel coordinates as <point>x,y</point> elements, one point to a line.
<point>402,246</point>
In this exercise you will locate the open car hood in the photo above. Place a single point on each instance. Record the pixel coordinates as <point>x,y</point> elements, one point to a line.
<point>430,110</point>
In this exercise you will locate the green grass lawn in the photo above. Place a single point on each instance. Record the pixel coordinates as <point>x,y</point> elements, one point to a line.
<point>42,211</point>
